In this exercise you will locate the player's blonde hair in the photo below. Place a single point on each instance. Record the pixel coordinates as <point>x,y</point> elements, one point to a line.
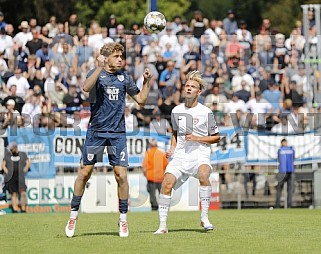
<point>110,48</point>
<point>196,76</point>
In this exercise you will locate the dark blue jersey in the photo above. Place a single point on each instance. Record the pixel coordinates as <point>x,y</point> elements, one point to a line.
<point>286,159</point>
<point>108,100</point>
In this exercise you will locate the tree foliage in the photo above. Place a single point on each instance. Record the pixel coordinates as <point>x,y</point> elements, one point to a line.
<point>126,11</point>
<point>282,13</point>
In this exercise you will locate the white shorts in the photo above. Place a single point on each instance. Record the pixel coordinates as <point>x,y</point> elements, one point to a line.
<point>183,169</point>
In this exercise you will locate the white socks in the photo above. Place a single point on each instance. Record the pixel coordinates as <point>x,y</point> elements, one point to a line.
<point>73,214</point>
<point>205,197</point>
<point>163,208</point>
<point>123,216</point>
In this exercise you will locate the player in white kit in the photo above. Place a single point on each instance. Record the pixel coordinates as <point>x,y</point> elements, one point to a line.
<point>194,129</point>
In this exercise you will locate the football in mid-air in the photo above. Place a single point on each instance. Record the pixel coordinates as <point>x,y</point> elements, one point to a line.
<point>155,22</point>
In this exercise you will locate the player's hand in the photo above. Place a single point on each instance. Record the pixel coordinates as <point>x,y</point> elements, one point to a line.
<point>169,153</point>
<point>190,137</point>
<point>147,76</point>
<point>101,60</point>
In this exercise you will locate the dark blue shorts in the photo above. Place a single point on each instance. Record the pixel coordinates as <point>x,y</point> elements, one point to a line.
<point>99,142</point>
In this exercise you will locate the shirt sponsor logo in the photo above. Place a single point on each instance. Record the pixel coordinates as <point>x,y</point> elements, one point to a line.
<point>103,76</point>
<point>113,93</point>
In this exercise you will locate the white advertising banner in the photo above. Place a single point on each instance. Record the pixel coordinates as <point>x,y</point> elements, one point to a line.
<point>263,149</point>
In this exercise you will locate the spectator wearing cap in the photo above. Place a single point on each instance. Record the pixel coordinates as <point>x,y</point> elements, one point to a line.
<point>2,22</point>
<point>199,24</point>
<point>112,25</point>
<point>44,54</point>
<point>11,115</point>
<point>15,165</point>
<point>20,81</point>
<point>281,57</point>
<point>24,36</point>
<point>229,23</point>
<point>19,102</point>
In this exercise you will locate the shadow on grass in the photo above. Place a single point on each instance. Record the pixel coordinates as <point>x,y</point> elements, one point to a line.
<point>98,233</point>
<point>181,230</point>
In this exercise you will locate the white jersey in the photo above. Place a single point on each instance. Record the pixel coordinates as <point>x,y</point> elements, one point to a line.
<point>199,121</point>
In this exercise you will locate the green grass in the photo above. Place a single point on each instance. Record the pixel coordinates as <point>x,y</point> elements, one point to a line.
<point>237,231</point>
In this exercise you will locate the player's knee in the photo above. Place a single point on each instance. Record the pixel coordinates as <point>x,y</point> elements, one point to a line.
<point>121,177</point>
<point>84,174</point>
<point>203,177</point>
<point>167,186</point>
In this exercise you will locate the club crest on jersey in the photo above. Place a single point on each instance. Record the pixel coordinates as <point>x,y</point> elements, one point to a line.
<point>195,120</point>
<point>120,78</point>
<point>90,156</point>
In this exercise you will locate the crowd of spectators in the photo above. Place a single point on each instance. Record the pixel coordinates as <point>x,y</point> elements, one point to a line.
<point>256,79</point>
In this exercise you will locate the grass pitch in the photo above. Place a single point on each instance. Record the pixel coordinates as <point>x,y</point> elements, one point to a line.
<point>237,231</point>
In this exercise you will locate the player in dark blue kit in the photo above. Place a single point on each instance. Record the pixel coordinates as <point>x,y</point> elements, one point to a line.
<point>107,85</point>
<point>286,157</point>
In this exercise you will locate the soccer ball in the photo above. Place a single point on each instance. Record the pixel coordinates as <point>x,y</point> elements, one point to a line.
<point>155,22</point>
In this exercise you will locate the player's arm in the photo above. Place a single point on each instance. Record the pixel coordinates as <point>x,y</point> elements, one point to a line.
<point>170,152</point>
<point>91,81</point>
<point>4,167</point>
<point>141,97</point>
<point>26,168</point>
<point>215,138</point>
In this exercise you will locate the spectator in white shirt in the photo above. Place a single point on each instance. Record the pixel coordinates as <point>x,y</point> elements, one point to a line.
<point>20,81</point>
<point>24,36</point>
<point>130,120</point>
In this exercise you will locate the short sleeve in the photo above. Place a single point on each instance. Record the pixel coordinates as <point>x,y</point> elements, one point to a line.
<point>212,126</point>
<point>131,88</point>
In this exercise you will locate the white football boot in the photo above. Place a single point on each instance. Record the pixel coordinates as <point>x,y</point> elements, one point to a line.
<point>206,224</point>
<point>161,231</point>
<point>123,228</point>
<point>71,227</point>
